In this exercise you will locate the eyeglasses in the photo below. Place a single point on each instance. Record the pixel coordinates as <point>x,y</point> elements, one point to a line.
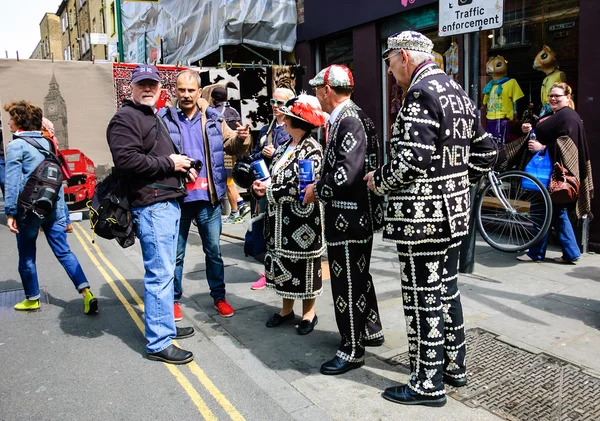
<point>388,58</point>
<point>554,96</point>
<point>316,88</point>
<point>277,102</point>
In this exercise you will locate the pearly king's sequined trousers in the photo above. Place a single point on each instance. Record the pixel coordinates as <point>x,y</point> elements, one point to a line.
<point>354,299</point>
<point>433,313</point>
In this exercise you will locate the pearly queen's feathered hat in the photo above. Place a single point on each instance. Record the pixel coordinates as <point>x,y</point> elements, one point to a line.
<point>409,40</point>
<point>306,108</point>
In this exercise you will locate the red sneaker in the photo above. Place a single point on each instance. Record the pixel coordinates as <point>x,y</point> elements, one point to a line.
<point>177,312</point>
<point>224,308</point>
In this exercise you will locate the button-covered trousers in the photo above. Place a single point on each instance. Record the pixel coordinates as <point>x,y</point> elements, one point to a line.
<point>434,317</point>
<point>354,299</point>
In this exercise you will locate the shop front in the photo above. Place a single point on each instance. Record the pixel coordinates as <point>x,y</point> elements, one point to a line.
<point>507,71</point>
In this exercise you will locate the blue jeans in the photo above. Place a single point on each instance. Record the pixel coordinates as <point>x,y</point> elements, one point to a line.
<point>566,236</point>
<point>156,228</point>
<point>54,227</point>
<point>208,219</point>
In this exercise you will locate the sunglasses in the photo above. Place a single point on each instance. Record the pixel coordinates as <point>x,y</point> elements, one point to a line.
<point>388,58</point>
<point>277,102</point>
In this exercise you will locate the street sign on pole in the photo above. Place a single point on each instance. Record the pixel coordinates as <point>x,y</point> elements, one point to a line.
<point>464,16</point>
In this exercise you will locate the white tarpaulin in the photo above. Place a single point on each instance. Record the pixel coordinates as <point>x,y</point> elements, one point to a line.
<point>192,29</point>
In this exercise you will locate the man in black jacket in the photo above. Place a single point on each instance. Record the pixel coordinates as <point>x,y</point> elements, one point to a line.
<point>352,214</point>
<point>437,147</point>
<point>148,161</point>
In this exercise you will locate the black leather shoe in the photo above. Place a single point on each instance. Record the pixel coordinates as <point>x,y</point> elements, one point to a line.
<point>307,326</point>
<point>453,381</point>
<point>339,366</point>
<point>172,355</point>
<point>374,341</point>
<point>406,396</point>
<point>278,319</point>
<point>184,332</point>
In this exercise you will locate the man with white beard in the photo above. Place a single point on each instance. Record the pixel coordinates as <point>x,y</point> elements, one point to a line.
<point>152,171</point>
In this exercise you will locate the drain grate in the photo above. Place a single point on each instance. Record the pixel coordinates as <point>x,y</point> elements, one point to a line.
<point>9,298</point>
<point>518,385</point>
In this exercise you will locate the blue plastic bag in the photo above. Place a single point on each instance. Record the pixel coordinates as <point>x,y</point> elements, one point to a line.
<point>540,167</point>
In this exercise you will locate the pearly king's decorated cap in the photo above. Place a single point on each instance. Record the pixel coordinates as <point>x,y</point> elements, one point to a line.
<point>335,75</point>
<point>409,40</point>
<point>306,108</point>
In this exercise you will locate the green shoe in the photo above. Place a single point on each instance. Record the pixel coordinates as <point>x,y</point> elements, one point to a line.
<point>28,305</point>
<point>90,303</point>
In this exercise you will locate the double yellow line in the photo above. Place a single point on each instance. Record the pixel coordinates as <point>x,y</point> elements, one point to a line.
<point>84,238</point>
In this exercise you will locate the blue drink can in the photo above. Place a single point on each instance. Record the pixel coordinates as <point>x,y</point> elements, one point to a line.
<point>261,172</point>
<point>306,174</point>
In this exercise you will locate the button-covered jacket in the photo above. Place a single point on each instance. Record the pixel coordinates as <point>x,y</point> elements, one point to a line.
<point>437,144</point>
<point>352,211</point>
<point>293,229</point>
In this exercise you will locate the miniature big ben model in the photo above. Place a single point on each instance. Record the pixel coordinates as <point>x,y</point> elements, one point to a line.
<point>55,110</point>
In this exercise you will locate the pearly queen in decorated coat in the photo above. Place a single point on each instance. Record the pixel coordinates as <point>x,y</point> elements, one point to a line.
<point>437,144</point>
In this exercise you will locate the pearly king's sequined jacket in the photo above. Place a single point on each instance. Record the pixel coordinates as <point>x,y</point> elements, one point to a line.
<point>438,145</point>
<point>352,211</point>
<point>293,229</point>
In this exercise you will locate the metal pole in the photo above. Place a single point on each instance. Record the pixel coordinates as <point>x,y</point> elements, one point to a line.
<point>119,31</point>
<point>221,56</point>
<point>475,67</point>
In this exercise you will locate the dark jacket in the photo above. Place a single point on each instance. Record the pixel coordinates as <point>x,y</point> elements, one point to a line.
<point>269,135</point>
<point>437,147</point>
<point>140,147</point>
<point>352,211</point>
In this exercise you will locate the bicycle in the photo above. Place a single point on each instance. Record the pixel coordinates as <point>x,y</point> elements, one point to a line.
<point>510,218</point>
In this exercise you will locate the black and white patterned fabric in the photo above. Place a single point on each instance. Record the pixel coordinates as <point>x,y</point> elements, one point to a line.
<point>352,214</point>
<point>438,148</point>
<point>293,231</point>
<point>433,314</point>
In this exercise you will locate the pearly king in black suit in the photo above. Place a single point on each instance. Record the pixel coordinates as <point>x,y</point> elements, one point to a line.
<point>437,144</point>
<point>352,214</point>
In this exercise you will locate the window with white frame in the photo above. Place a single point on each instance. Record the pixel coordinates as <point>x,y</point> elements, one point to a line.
<point>65,21</point>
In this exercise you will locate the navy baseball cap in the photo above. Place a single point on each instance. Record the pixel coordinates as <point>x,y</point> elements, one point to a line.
<point>145,72</point>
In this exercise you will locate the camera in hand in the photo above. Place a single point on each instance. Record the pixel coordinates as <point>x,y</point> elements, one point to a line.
<point>196,164</point>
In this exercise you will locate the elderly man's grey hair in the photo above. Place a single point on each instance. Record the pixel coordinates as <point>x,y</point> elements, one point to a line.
<point>418,57</point>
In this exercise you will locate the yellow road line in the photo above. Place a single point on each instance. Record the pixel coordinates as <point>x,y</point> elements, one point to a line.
<point>118,275</point>
<point>193,366</point>
<point>183,381</point>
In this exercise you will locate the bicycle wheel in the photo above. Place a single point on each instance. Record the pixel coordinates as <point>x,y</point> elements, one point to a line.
<point>509,217</point>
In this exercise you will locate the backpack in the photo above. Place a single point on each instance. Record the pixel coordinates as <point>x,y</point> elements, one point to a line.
<point>110,213</point>
<point>42,188</point>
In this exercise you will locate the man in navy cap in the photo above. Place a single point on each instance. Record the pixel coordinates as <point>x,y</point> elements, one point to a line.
<point>153,171</point>
<point>437,149</point>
